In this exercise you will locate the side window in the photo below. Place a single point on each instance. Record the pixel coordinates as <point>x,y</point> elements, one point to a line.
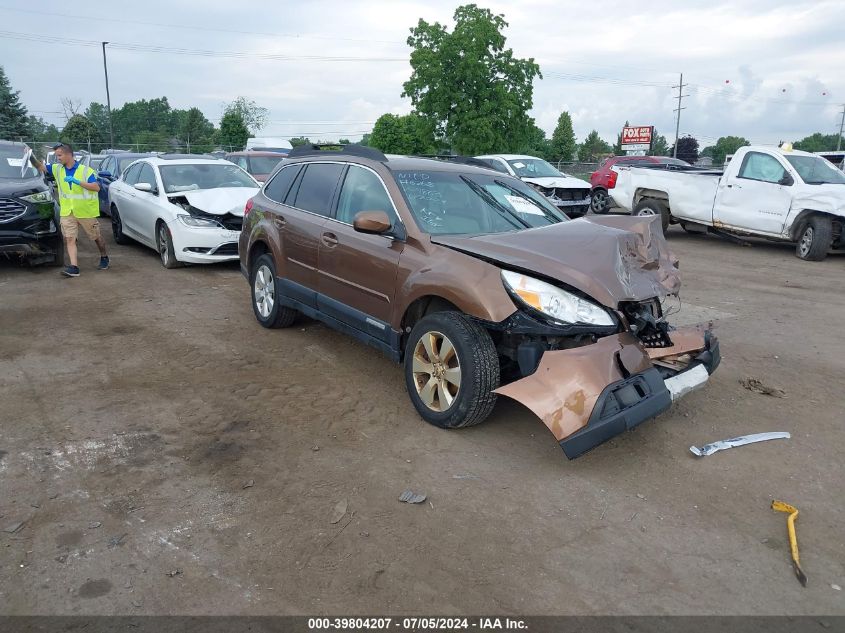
<point>757,166</point>
<point>148,176</point>
<point>106,165</point>
<point>496,164</point>
<point>243,163</point>
<point>279,186</point>
<point>362,191</point>
<point>317,187</point>
<point>131,176</point>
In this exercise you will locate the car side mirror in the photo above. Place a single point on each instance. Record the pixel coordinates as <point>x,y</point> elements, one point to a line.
<point>144,186</point>
<point>786,180</point>
<point>375,222</point>
<point>105,174</point>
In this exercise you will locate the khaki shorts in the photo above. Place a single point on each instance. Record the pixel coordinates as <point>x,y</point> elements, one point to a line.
<point>71,224</point>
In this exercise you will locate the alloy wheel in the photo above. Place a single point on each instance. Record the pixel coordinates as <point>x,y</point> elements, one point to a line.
<point>598,202</point>
<point>806,241</point>
<point>646,212</point>
<point>437,371</point>
<point>163,244</point>
<point>264,291</point>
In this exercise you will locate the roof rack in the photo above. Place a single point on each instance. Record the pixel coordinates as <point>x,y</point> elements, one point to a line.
<point>184,156</point>
<point>458,158</point>
<point>352,149</point>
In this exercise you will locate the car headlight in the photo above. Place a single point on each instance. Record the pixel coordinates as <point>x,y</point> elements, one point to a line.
<point>41,196</point>
<point>206,223</point>
<point>552,301</point>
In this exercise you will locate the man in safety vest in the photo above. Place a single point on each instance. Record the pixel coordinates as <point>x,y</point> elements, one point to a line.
<point>77,187</point>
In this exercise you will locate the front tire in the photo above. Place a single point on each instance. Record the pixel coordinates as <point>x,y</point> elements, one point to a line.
<point>164,241</point>
<point>815,240</point>
<point>599,202</point>
<point>117,227</point>
<point>451,370</point>
<point>266,305</point>
<point>650,207</point>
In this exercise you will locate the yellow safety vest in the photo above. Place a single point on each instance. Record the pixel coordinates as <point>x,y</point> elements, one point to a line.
<point>74,199</point>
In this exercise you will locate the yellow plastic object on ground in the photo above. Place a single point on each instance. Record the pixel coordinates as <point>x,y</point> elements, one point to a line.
<point>780,506</point>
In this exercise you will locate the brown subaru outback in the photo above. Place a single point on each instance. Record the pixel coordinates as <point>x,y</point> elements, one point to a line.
<point>478,286</point>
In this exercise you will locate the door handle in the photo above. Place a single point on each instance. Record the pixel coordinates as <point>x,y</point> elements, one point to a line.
<point>732,185</point>
<point>329,239</point>
<point>279,222</point>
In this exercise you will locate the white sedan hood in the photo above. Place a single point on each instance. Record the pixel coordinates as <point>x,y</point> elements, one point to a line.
<point>220,201</point>
<point>563,182</point>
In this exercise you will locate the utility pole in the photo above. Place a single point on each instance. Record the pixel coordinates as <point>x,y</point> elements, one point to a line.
<point>681,85</point>
<point>841,128</point>
<point>108,97</point>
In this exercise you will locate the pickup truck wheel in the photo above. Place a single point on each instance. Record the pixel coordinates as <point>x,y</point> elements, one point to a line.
<point>649,207</point>
<point>599,201</point>
<point>268,310</point>
<point>451,370</point>
<point>815,240</point>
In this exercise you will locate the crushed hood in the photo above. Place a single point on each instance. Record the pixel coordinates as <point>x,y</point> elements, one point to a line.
<point>826,198</point>
<point>609,258</point>
<point>563,182</point>
<point>219,201</point>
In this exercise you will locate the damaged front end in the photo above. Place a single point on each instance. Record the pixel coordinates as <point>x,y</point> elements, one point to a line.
<point>589,382</point>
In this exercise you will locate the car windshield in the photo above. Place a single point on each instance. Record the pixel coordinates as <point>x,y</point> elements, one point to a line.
<point>190,177</point>
<point>815,170</point>
<point>263,164</point>
<point>533,168</point>
<point>11,162</point>
<point>449,203</point>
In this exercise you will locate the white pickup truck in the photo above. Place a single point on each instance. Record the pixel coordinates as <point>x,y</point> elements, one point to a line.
<point>770,192</point>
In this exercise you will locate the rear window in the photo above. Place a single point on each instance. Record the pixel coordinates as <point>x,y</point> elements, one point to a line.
<point>11,163</point>
<point>317,187</point>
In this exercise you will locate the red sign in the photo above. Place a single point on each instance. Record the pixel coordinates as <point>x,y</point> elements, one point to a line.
<point>637,135</point>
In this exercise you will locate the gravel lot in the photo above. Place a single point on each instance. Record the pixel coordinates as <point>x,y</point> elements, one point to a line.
<point>168,455</point>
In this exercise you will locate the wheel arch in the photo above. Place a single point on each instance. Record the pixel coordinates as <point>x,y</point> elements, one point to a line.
<point>803,217</point>
<point>643,193</point>
<point>258,248</point>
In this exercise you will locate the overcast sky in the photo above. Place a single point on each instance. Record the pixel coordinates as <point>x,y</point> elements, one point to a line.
<point>763,69</point>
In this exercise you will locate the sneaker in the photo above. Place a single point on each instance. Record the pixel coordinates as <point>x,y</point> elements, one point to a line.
<point>104,263</point>
<point>71,271</point>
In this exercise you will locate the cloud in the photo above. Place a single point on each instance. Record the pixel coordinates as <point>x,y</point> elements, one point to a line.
<point>604,66</point>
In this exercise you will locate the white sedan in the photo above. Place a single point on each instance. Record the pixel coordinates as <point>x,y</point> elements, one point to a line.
<point>188,208</point>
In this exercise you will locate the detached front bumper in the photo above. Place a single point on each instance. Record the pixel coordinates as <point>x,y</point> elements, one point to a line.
<point>590,394</point>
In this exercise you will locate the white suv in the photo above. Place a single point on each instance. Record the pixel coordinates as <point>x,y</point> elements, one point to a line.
<point>188,208</point>
<point>570,195</point>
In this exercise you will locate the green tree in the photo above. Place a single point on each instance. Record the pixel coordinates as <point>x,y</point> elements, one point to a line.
<point>617,149</point>
<point>196,132</point>
<point>13,117</point>
<point>252,114</point>
<point>536,143</point>
<point>593,148</point>
<point>365,140</point>
<point>296,141</point>
<point>152,141</point>
<point>98,115</point>
<point>818,142</point>
<point>475,92</point>
<point>724,146</point>
<point>40,130</point>
<point>563,139</point>
<point>408,134</point>
<point>687,149</point>
<point>659,144</point>
<point>233,132</point>
<point>81,133</point>
<point>135,117</point>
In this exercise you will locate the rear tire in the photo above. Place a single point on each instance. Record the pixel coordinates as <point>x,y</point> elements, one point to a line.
<point>266,305</point>
<point>651,206</point>
<point>164,241</point>
<point>451,370</point>
<point>117,227</point>
<point>815,240</point>
<point>599,202</point>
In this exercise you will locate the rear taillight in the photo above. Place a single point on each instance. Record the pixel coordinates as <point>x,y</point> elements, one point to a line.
<point>611,179</point>
<point>248,207</point>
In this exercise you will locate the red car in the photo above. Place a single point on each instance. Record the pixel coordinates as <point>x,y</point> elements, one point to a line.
<point>604,177</point>
<point>257,164</point>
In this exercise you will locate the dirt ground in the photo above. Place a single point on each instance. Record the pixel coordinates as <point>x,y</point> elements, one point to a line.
<point>167,455</point>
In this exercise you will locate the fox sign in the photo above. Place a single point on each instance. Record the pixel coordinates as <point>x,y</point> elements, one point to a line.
<point>637,137</point>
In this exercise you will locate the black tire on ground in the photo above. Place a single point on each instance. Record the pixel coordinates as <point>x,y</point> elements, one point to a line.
<point>599,202</point>
<point>477,362</point>
<point>117,227</point>
<point>164,242</point>
<point>651,206</point>
<point>815,240</point>
<point>266,306</point>
<point>59,252</point>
